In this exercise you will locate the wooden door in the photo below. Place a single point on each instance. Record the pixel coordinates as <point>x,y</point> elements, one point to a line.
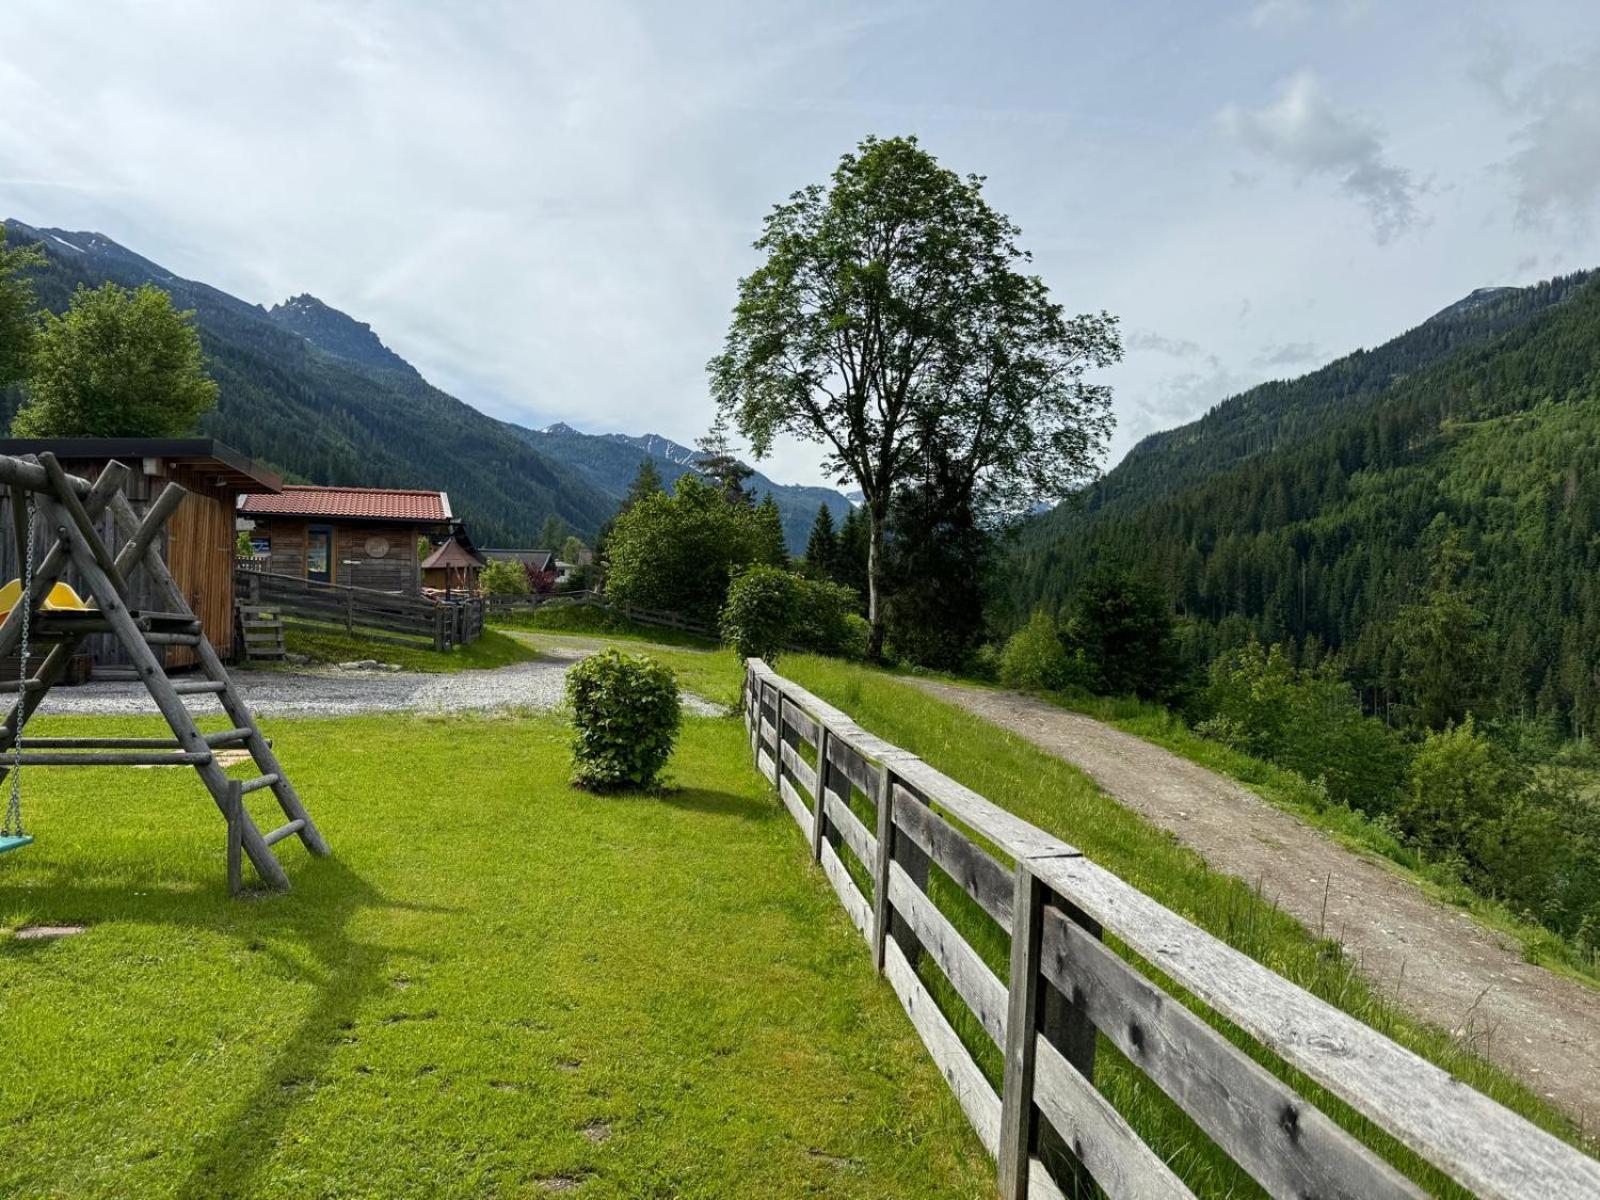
<point>200,548</point>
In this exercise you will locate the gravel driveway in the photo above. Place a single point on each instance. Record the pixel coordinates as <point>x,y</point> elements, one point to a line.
<point>330,692</point>
<point>1435,959</point>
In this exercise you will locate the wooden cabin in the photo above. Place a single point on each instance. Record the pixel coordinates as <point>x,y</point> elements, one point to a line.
<point>198,544</point>
<point>452,568</point>
<point>354,537</point>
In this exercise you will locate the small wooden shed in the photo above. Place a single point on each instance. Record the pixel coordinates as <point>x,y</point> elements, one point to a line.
<point>452,568</point>
<point>355,537</point>
<point>198,543</point>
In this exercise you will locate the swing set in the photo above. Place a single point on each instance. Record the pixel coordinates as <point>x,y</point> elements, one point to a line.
<point>57,513</point>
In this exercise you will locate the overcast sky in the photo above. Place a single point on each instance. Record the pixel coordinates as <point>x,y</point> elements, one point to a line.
<point>546,208</point>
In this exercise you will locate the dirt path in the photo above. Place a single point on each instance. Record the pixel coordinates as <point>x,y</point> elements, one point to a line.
<point>1436,960</point>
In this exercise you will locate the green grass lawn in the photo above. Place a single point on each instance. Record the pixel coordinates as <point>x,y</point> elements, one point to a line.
<point>498,987</point>
<point>493,649</point>
<point>712,672</point>
<point>1047,791</point>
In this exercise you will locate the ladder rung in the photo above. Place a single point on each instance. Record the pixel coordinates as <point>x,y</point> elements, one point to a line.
<point>195,687</point>
<point>283,831</point>
<point>172,639</point>
<point>35,684</point>
<point>227,735</point>
<point>181,758</point>
<point>256,784</point>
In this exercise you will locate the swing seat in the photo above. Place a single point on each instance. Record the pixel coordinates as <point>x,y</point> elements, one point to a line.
<point>15,841</point>
<point>62,598</point>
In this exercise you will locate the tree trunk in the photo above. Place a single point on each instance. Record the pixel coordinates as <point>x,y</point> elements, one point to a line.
<point>875,522</point>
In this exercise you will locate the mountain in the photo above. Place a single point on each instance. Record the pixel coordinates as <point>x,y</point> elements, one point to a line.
<point>330,330</point>
<point>1304,509</point>
<point>610,461</point>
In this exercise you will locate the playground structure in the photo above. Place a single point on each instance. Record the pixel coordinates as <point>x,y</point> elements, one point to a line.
<point>54,517</point>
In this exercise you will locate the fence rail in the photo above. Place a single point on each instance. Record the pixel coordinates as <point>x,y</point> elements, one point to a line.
<point>378,616</point>
<point>501,605</point>
<point>878,817</point>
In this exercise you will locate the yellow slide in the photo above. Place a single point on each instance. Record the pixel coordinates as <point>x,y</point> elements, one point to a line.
<point>61,599</point>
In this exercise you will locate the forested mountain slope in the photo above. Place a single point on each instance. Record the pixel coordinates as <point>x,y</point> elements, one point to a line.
<point>1305,510</point>
<point>317,395</point>
<point>611,460</point>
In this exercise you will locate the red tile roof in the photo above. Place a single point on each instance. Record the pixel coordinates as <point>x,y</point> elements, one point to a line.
<point>382,504</point>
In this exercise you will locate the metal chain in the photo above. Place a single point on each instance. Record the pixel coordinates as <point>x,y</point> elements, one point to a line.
<point>13,820</point>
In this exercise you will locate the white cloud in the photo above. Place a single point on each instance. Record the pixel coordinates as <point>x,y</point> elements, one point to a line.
<point>1303,130</point>
<point>1555,168</point>
<point>1289,354</point>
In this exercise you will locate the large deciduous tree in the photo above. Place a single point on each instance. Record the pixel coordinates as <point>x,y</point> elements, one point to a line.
<point>893,321</point>
<point>119,362</point>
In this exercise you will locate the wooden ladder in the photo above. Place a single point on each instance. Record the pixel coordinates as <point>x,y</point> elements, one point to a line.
<point>261,632</point>
<point>73,539</point>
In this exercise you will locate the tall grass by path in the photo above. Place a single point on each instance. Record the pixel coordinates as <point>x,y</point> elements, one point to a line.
<point>1052,794</point>
<point>498,986</point>
<point>493,649</point>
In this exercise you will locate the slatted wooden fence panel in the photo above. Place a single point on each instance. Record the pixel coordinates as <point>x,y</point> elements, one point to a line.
<point>505,605</point>
<point>877,818</point>
<point>378,616</point>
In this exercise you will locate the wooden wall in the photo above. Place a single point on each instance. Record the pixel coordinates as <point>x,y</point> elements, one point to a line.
<point>397,570</point>
<point>197,545</point>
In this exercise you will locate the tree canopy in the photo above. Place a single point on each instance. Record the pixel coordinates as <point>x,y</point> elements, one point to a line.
<point>119,362</point>
<point>18,323</point>
<point>892,322</point>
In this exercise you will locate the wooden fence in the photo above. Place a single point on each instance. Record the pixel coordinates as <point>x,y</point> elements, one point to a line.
<point>377,616</point>
<point>878,818</point>
<point>505,605</point>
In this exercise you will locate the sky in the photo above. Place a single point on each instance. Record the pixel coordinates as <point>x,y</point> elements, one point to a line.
<point>547,207</point>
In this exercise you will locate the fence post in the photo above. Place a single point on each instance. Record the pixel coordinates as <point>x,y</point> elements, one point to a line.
<point>880,874</point>
<point>819,811</point>
<point>1022,1019</point>
<point>349,611</point>
<point>910,858</point>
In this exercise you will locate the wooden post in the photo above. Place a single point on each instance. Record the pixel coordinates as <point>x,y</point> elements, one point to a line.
<point>819,808</point>
<point>349,611</point>
<point>880,874</point>
<point>1064,1023</point>
<point>1016,1091</point>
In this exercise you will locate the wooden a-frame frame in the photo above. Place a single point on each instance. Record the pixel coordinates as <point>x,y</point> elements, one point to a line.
<point>69,507</point>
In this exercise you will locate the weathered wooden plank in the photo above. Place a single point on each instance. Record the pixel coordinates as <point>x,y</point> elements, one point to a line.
<point>855,904</point>
<point>802,770</point>
<point>1285,1144</point>
<point>1013,1144</point>
<point>862,843</point>
<point>1098,1136</point>
<point>805,724</point>
<point>795,803</point>
<point>765,766</point>
<point>975,983</point>
<point>1009,832</point>
<point>131,758</point>
<point>1487,1148</point>
<point>973,868</point>
<point>850,763</point>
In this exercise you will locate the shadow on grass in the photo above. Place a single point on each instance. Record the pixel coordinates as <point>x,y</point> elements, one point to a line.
<point>719,804</point>
<point>317,915</point>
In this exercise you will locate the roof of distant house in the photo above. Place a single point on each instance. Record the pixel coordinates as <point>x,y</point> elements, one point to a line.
<point>222,463</point>
<point>539,560</point>
<point>451,554</point>
<point>362,504</point>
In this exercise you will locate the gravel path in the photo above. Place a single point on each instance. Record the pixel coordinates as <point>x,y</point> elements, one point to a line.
<point>330,692</point>
<point>1434,959</point>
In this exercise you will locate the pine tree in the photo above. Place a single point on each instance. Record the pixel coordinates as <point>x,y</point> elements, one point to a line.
<point>717,461</point>
<point>822,547</point>
<point>646,483</point>
<point>769,525</point>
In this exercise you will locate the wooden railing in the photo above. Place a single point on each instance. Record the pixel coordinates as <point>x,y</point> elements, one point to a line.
<point>878,818</point>
<point>377,616</point>
<point>506,605</point>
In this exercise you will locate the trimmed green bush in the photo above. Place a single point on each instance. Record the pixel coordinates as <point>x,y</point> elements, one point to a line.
<point>625,720</point>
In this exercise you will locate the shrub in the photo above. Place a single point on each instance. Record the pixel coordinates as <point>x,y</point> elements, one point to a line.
<point>1035,659</point>
<point>759,616</point>
<point>770,610</point>
<point>625,719</point>
<point>1309,721</point>
<point>1124,629</point>
<point>500,578</point>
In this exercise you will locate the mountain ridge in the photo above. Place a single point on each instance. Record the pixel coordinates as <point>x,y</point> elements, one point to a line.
<point>316,394</point>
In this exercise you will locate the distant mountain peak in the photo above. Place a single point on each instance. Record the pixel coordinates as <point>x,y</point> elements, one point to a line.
<point>1478,298</point>
<point>558,427</point>
<point>335,332</point>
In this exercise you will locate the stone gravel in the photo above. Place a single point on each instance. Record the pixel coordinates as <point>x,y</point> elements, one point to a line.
<point>333,692</point>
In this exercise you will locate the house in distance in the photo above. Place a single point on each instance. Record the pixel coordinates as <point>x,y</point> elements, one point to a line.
<point>352,536</point>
